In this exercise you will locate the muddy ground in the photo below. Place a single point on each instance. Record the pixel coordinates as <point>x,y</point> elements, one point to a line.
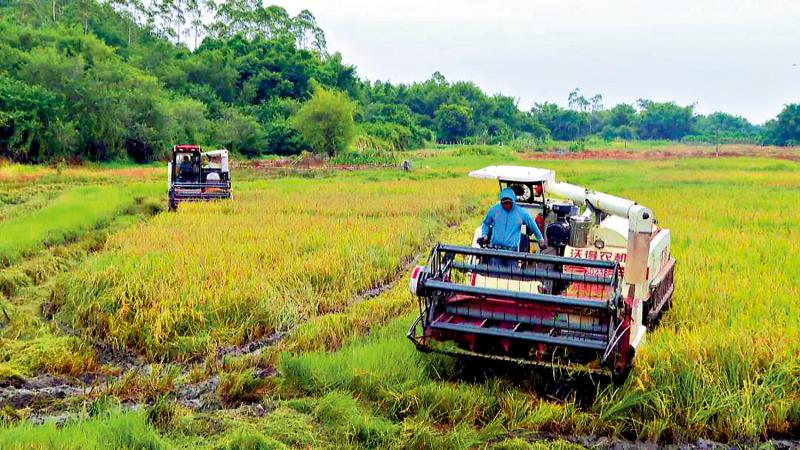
<point>305,164</point>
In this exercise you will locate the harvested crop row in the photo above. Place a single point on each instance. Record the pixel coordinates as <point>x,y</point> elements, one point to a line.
<point>73,212</point>
<point>220,274</point>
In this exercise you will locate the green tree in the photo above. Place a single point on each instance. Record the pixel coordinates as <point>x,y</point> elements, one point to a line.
<point>564,124</point>
<point>187,122</point>
<point>724,127</point>
<point>326,121</point>
<point>240,133</point>
<point>453,122</point>
<point>283,139</point>
<point>664,120</point>
<point>785,129</point>
<point>621,115</point>
<point>31,126</point>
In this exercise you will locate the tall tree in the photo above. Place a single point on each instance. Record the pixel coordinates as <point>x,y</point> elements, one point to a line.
<point>785,129</point>
<point>326,121</point>
<point>453,122</point>
<point>306,31</point>
<point>577,101</point>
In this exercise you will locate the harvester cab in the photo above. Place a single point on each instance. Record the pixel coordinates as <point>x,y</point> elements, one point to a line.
<point>194,175</point>
<point>585,302</point>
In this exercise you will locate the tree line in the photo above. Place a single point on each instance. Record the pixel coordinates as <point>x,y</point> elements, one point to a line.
<point>103,80</point>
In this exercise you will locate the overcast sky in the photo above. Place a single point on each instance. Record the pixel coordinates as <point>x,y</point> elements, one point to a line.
<point>737,56</point>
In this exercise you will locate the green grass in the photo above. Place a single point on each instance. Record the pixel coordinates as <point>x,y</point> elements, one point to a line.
<point>73,212</point>
<point>20,199</point>
<point>116,430</point>
<point>413,396</point>
<point>596,143</point>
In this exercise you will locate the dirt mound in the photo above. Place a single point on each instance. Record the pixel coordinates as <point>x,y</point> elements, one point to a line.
<point>41,389</point>
<point>304,164</point>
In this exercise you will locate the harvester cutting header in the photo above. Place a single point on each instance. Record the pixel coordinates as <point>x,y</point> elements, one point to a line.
<point>602,275</point>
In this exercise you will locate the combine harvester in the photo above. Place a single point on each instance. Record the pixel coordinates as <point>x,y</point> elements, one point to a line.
<point>585,302</point>
<point>194,175</point>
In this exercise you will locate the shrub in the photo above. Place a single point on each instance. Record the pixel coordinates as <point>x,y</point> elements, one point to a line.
<point>326,121</point>
<point>366,157</point>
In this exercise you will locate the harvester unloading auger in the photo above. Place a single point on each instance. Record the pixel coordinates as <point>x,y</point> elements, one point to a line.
<point>586,301</point>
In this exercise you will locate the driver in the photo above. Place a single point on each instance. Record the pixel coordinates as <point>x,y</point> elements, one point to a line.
<point>185,170</point>
<point>505,220</point>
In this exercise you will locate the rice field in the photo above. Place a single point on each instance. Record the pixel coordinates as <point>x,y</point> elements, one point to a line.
<point>67,215</point>
<point>724,364</point>
<point>183,284</point>
<point>315,266</point>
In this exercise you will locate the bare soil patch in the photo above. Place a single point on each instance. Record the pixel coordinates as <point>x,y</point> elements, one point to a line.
<point>305,164</point>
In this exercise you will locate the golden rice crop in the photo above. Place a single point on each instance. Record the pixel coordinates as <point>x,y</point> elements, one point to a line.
<point>725,362</point>
<point>221,273</point>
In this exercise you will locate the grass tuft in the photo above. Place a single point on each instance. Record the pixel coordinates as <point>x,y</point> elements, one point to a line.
<point>242,387</point>
<point>117,430</point>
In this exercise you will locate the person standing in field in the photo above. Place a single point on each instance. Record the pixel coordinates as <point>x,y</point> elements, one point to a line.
<point>505,221</point>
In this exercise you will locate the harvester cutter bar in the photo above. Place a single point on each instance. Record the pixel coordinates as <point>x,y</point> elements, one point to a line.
<point>182,185</point>
<point>535,316</point>
<point>189,192</point>
<point>200,197</point>
<point>543,338</point>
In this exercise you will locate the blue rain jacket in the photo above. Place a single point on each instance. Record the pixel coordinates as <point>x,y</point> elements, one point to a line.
<point>507,226</point>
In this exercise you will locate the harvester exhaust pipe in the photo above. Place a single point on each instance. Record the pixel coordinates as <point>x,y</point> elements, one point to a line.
<point>640,227</point>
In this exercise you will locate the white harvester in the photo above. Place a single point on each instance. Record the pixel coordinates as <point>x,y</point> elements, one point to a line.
<point>196,176</point>
<point>605,277</point>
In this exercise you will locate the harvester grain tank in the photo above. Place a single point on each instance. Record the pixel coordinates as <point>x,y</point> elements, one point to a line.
<point>585,301</point>
<point>194,175</point>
